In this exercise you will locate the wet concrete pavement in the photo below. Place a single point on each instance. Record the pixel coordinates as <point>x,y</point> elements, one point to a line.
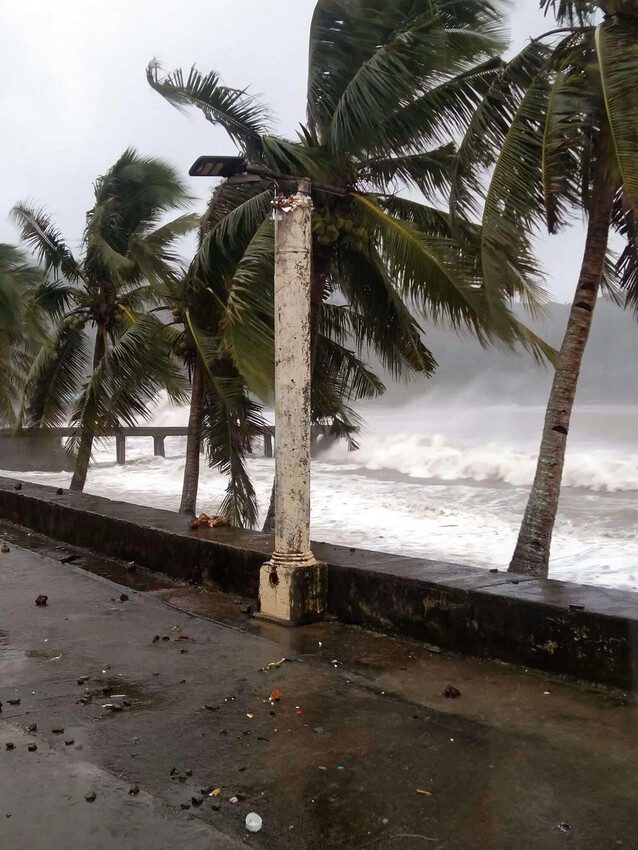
<point>362,749</point>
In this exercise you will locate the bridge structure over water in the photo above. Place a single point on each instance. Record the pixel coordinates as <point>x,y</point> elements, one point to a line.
<point>41,449</point>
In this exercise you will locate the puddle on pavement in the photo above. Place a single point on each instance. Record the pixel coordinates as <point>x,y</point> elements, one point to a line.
<point>102,689</point>
<point>12,658</point>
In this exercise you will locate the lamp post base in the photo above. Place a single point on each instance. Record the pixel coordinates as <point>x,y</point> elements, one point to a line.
<point>293,590</point>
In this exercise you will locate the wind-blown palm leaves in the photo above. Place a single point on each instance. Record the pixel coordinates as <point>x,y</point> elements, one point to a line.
<point>223,333</point>
<point>559,128</point>
<point>389,84</point>
<point>27,303</point>
<point>106,357</point>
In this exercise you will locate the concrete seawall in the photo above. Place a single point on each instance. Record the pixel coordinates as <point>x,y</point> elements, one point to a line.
<point>582,631</point>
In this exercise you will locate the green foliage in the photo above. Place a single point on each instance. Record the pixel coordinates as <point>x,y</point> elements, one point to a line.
<point>104,357</point>
<point>389,85</point>
<point>541,130</point>
<point>27,302</point>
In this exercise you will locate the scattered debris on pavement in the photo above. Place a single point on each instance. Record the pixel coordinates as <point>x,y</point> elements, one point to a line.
<point>205,521</point>
<point>451,692</point>
<point>90,796</point>
<point>41,600</point>
<point>274,664</point>
<point>253,822</point>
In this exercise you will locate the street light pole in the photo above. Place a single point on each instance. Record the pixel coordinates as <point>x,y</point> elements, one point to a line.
<point>292,586</point>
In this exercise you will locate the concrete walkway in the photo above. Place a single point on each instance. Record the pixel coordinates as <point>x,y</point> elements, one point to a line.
<point>361,749</point>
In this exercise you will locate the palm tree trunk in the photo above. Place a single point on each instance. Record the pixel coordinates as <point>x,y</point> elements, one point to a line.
<point>193,442</point>
<point>87,436</point>
<point>531,555</point>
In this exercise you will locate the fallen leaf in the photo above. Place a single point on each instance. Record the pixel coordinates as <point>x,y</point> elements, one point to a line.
<point>276,694</point>
<point>216,792</point>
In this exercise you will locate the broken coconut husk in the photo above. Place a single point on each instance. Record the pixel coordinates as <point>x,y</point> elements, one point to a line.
<point>205,521</point>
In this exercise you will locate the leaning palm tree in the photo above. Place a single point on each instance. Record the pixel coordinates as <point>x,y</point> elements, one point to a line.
<point>559,127</point>
<point>389,85</point>
<point>106,358</point>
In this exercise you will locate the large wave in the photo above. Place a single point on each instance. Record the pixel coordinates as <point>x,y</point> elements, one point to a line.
<point>436,458</point>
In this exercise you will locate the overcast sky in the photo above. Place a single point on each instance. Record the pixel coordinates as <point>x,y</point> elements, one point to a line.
<point>73,93</point>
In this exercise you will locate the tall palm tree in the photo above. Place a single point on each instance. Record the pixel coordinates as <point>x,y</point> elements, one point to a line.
<point>389,86</point>
<point>559,127</point>
<point>106,358</point>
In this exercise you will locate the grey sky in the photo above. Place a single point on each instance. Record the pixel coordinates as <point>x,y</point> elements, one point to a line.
<point>74,94</point>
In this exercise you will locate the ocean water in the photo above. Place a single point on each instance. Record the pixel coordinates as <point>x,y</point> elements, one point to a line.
<point>426,482</point>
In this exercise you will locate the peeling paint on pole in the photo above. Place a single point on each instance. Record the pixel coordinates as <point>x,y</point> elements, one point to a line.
<point>292,584</point>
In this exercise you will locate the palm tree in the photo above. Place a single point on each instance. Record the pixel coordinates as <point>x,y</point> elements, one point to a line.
<point>389,85</point>
<point>226,319</point>
<point>559,127</point>
<point>106,358</point>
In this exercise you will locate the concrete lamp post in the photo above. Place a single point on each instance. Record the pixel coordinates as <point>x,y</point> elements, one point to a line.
<point>292,586</point>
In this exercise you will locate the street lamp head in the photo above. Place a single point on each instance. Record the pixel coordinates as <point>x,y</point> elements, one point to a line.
<point>218,166</point>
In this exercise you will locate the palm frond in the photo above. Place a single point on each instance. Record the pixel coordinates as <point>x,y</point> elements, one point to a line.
<point>444,109</point>
<point>429,172</point>
<point>40,235</point>
<point>350,377</point>
<point>125,382</point>
<point>243,117</point>
<point>617,53</point>
<point>364,54</point>
<point>625,223</point>
<point>490,123</point>
<point>378,316</point>
<point>571,11</point>
<point>228,236</point>
<point>514,204</point>
<point>428,269</point>
<point>57,373</point>
<point>153,252</point>
<point>231,421</point>
<point>560,162</point>
<point>247,313</point>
